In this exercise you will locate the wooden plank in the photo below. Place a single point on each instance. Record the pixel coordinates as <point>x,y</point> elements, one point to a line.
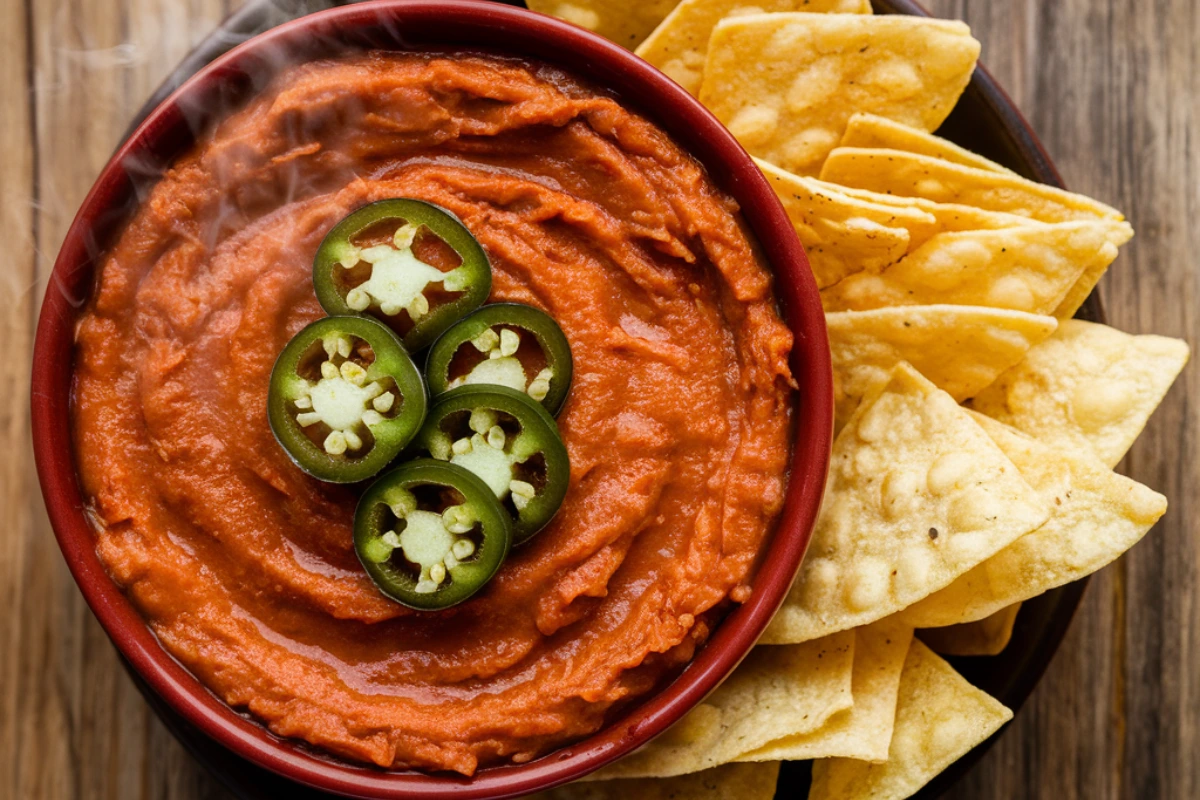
<point>17,292</point>
<point>84,732</point>
<point>1110,86</point>
<point>1151,118</point>
<point>70,676</point>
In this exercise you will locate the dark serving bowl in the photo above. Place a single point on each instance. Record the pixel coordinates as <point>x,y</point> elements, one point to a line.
<point>399,24</point>
<point>985,121</point>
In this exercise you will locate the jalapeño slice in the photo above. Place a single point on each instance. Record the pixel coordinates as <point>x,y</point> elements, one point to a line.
<point>510,442</point>
<point>345,398</point>
<point>377,261</point>
<point>504,344</point>
<point>430,534</point>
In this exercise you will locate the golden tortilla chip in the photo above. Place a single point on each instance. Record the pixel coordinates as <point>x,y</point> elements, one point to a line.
<point>951,217</point>
<point>1027,269</point>
<point>984,637</point>
<point>869,130</point>
<point>843,235</point>
<point>625,22</point>
<point>1096,516</point>
<point>776,692</point>
<point>1083,286</point>
<point>863,731</point>
<point>960,349</point>
<point>1088,389</point>
<point>786,84</point>
<point>914,175</point>
<point>917,495</point>
<point>728,782</point>
<point>939,718</point>
<point>678,46</point>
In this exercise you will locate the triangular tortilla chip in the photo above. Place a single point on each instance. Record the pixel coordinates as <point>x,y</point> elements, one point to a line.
<point>625,22</point>
<point>863,731</point>
<point>914,175</point>
<point>776,692</point>
<point>939,718</point>
<point>786,84</point>
<point>1025,269</point>
<point>917,495</point>
<point>729,782</point>
<point>1096,516</point>
<point>1088,388</point>
<point>869,130</point>
<point>843,235</point>
<point>951,217</point>
<point>678,46</point>
<point>983,637</point>
<point>1083,287</point>
<point>961,349</point>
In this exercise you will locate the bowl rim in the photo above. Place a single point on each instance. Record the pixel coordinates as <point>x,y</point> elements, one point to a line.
<point>475,23</point>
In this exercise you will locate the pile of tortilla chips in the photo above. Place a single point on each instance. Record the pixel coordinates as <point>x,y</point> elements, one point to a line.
<point>977,422</point>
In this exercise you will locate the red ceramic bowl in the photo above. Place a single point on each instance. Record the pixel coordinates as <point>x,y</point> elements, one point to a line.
<point>398,24</point>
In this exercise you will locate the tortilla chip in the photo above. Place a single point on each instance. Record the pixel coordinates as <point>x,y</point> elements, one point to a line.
<point>1083,287</point>
<point>623,21</point>
<point>869,130</point>
<point>984,637</point>
<point>1088,389</point>
<point>917,495</point>
<point>913,175</point>
<point>1024,269</point>
<point>951,217</point>
<point>729,782</point>
<point>960,349</point>
<point>1096,516</point>
<point>843,235</point>
<point>776,692</point>
<point>863,731</point>
<point>678,46</point>
<point>939,718</point>
<point>786,84</point>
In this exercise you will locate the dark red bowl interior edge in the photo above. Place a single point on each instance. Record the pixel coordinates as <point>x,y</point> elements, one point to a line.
<point>452,22</point>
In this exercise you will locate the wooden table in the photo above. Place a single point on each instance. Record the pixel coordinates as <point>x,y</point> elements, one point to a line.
<point>1112,86</point>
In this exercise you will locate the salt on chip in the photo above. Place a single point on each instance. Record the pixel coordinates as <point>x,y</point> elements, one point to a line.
<point>775,692</point>
<point>983,637</point>
<point>864,730</point>
<point>1096,516</point>
<point>1089,389</point>
<point>873,131</point>
<point>843,235</point>
<point>626,22</point>
<point>917,495</point>
<point>915,175</point>
<point>728,782</point>
<point>939,718</point>
<point>1024,269</point>
<point>786,84</point>
<point>960,349</point>
<point>679,45</point>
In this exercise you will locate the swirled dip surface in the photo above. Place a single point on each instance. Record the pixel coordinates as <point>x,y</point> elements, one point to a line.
<point>677,425</point>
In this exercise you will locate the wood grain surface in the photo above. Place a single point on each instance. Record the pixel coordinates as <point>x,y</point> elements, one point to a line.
<point>1112,87</point>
